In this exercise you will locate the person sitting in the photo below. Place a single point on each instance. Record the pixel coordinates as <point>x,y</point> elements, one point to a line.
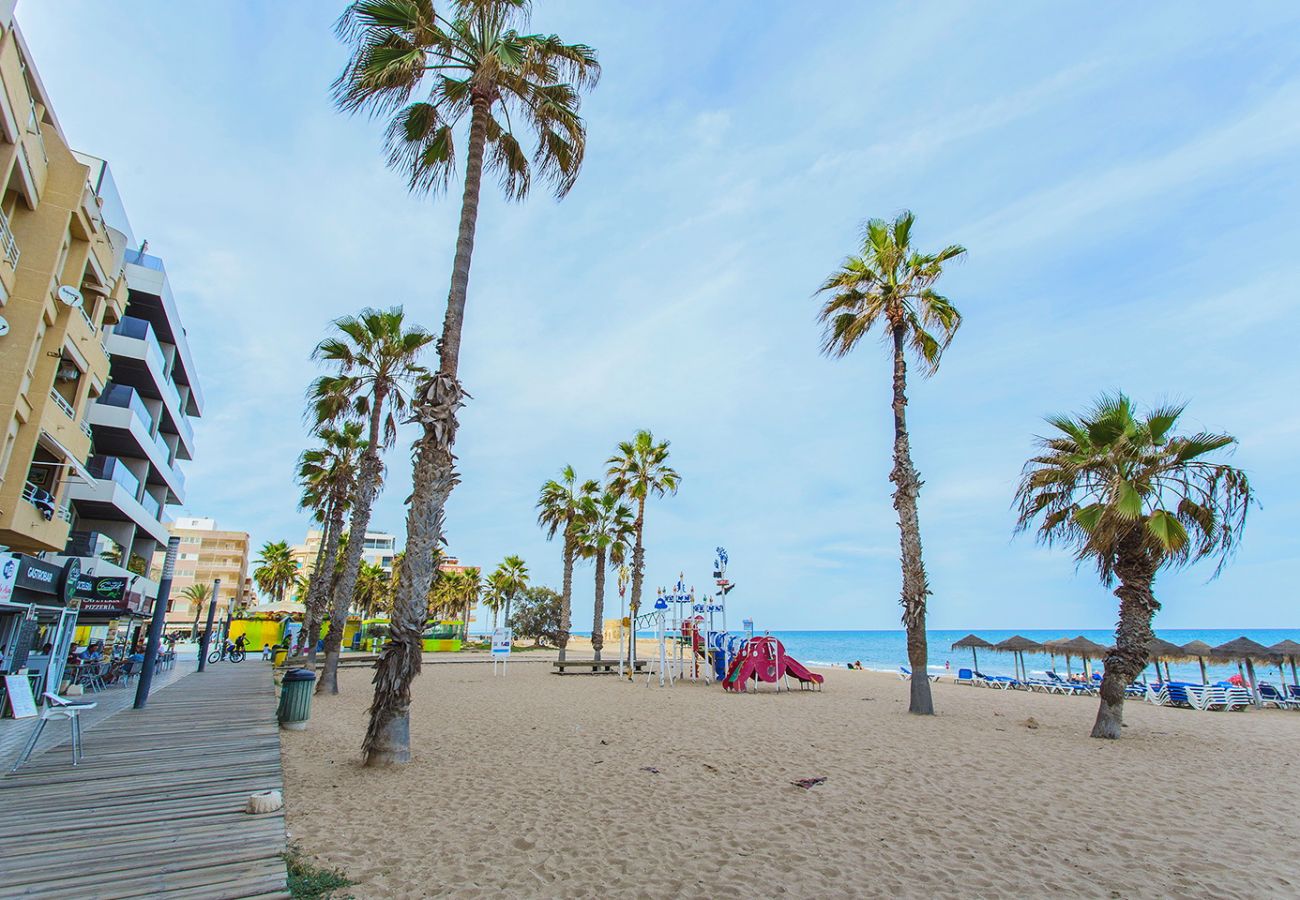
<point>858,665</point>
<point>74,655</point>
<point>94,654</point>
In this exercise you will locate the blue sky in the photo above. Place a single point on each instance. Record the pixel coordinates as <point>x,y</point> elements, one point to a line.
<point>1123,176</point>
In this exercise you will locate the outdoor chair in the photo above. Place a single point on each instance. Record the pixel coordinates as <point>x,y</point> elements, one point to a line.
<point>57,707</point>
<point>965,676</point>
<point>905,674</point>
<point>1270,694</point>
<point>91,676</point>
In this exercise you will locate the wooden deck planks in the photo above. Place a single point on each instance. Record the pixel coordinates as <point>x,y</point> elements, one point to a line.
<point>155,808</point>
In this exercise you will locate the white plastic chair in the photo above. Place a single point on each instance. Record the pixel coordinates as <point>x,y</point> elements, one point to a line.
<point>57,707</point>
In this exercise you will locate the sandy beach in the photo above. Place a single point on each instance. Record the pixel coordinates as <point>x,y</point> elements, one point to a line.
<point>539,786</point>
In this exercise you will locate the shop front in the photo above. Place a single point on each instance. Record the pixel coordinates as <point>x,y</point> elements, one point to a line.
<point>37,618</point>
<point>111,613</point>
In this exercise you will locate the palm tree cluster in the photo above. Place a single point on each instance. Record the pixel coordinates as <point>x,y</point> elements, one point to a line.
<point>1121,488</point>
<point>596,524</point>
<point>275,569</point>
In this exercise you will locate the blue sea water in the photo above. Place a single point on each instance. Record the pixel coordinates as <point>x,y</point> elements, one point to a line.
<point>887,650</point>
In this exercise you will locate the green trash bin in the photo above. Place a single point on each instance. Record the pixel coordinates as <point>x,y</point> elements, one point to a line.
<point>295,699</point>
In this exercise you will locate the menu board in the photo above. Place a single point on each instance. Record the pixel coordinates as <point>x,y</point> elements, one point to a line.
<point>21,701</point>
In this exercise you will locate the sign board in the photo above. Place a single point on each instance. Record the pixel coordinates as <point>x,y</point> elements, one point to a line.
<point>103,594</point>
<point>21,701</point>
<point>8,575</point>
<point>502,639</point>
<point>36,575</point>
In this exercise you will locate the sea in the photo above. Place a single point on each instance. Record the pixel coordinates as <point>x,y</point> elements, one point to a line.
<point>887,650</point>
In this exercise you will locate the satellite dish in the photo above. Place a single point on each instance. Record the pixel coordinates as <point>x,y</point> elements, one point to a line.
<point>4,326</point>
<point>70,296</point>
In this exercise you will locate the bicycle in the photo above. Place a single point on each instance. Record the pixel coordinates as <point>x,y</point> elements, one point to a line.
<point>234,652</point>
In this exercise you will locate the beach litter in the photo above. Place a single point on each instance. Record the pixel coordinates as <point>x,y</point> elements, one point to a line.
<point>1031,722</point>
<point>809,783</point>
<point>651,769</point>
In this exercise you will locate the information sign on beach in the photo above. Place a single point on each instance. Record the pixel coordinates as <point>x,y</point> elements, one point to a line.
<point>502,638</point>
<point>21,700</point>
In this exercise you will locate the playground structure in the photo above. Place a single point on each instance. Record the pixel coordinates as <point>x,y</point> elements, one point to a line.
<point>694,643</point>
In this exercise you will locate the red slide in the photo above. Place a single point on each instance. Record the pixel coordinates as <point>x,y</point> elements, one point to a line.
<point>764,659</point>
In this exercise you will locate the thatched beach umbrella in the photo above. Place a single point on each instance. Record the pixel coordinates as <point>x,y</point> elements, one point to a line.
<point>1198,650</point>
<point>973,641</point>
<point>1243,649</point>
<point>1287,650</point>
<point>1056,647</point>
<point>1017,646</point>
<point>1084,649</point>
<point>1158,649</point>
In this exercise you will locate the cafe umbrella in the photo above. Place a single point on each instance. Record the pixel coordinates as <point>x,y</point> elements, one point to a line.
<point>973,641</point>
<point>1287,650</point>
<point>1199,650</point>
<point>1243,649</point>
<point>1017,646</point>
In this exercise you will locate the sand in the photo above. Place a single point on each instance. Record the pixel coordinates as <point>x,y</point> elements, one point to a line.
<point>537,786</point>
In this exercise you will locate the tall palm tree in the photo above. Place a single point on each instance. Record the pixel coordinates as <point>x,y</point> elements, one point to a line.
<point>1132,497</point>
<point>377,357</point>
<point>638,471</point>
<point>891,284</point>
<point>559,511</point>
<point>508,581</point>
<point>481,64</point>
<point>198,595</point>
<point>328,475</point>
<point>605,531</point>
<point>276,569</point>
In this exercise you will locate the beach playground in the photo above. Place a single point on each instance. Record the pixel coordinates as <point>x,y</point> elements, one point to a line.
<point>534,785</point>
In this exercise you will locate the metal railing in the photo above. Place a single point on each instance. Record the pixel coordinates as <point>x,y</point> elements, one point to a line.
<point>63,404</point>
<point>90,323</point>
<point>85,428</point>
<point>7,242</point>
<point>34,127</point>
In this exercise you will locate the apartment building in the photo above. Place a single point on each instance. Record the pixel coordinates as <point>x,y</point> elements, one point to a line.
<point>62,294</point>
<point>206,553</point>
<point>380,549</point>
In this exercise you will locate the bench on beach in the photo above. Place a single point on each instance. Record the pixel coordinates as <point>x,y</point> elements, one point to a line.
<point>596,666</point>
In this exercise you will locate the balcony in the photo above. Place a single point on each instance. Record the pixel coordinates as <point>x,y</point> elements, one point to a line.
<point>96,545</point>
<point>151,506</point>
<point>8,245</point>
<point>111,501</point>
<point>150,350</point>
<point>126,397</point>
<point>63,404</point>
<point>110,468</point>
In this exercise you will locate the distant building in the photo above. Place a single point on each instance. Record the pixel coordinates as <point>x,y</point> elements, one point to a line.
<point>205,554</point>
<point>380,549</point>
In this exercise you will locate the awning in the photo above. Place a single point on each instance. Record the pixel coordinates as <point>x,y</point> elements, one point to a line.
<point>76,465</point>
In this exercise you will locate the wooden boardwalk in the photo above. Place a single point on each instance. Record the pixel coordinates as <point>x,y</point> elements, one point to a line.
<point>156,807</point>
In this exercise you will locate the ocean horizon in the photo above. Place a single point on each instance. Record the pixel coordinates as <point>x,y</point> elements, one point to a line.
<point>886,650</point>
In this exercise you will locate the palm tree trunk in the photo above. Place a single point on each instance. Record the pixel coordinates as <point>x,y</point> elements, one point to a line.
<point>1137,606</point>
<point>322,577</point>
<point>367,487</point>
<point>638,566</point>
<point>566,595</point>
<point>388,736</point>
<point>907,485</point>
<point>598,617</point>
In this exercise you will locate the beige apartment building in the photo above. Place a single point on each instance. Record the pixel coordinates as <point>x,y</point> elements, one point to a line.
<point>206,553</point>
<point>62,291</point>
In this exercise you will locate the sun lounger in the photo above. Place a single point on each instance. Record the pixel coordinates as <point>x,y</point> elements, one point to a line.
<point>905,674</point>
<point>1069,687</point>
<point>1269,694</point>
<point>1002,682</point>
<point>965,676</point>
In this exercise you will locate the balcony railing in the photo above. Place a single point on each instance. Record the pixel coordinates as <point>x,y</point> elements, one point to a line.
<point>151,506</point>
<point>8,245</point>
<point>40,498</point>
<point>124,396</point>
<point>110,468</point>
<point>90,323</point>
<point>63,404</point>
<point>86,430</point>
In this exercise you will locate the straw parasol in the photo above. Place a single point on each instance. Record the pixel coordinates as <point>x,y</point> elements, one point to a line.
<point>973,641</point>
<point>1083,648</point>
<point>1199,650</point>
<point>1287,650</point>
<point>1016,646</point>
<point>1158,649</point>
<point>1243,649</point>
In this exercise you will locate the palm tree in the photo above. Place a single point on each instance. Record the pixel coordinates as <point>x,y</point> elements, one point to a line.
<point>276,569</point>
<point>890,284</point>
<point>638,471</point>
<point>559,510</point>
<point>1132,497</point>
<point>197,594</point>
<point>377,358</point>
<point>508,581</point>
<point>372,591</point>
<point>328,475</point>
<point>478,63</point>
<point>604,532</point>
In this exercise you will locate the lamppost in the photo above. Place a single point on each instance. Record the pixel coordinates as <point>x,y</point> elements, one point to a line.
<point>207,630</point>
<point>156,625</point>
